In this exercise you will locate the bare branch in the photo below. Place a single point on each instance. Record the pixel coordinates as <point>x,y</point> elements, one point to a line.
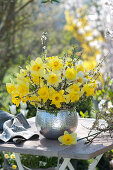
<point>24,6</point>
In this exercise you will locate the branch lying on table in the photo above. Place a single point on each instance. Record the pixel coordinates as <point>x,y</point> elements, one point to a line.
<point>109,128</point>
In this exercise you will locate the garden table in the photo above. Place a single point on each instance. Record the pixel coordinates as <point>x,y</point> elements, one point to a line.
<point>50,148</point>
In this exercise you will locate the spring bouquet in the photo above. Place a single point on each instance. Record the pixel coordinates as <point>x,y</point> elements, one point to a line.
<point>52,83</point>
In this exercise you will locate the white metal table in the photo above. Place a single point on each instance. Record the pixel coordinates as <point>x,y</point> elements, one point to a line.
<point>50,148</point>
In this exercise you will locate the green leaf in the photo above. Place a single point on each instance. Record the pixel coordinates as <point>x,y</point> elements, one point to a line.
<point>44,1</point>
<point>29,58</point>
<point>56,1</point>
<point>103,91</point>
<point>82,114</point>
<point>50,1</point>
<point>86,113</point>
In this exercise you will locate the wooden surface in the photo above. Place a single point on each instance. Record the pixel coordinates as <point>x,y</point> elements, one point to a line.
<point>53,148</point>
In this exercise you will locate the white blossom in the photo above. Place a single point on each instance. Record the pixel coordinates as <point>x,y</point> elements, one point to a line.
<point>80,74</point>
<point>80,62</point>
<point>75,20</point>
<point>81,31</point>
<point>24,112</point>
<point>87,28</point>
<point>101,105</point>
<point>89,38</point>
<point>94,44</point>
<point>110,105</point>
<point>95,33</point>
<point>13,109</point>
<point>79,24</point>
<point>107,111</point>
<point>23,106</point>
<point>98,58</point>
<point>42,163</point>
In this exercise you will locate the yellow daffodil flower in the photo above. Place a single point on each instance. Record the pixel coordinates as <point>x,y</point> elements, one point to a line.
<point>80,80</point>
<point>43,93</point>
<point>68,139</point>
<point>22,76</point>
<point>69,62</point>
<point>28,68</point>
<point>37,66</point>
<point>57,98</point>
<point>34,99</point>
<point>6,156</point>
<point>25,99</point>
<point>89,65</point>
<point>16,101</point>
<point>70,74</point>
<point>12,156</point>
<point>56,64</point>
<point>80,67</point>
<point>88,89</point>
<point>15,98</point>
<point>53,79</point>
<point>23,89</point>
<point>22,73</point>
<point>14,166</point>
<point>10,87</point>
<point>74,88</point>
<point>35,78</point>
<point>73,96</point>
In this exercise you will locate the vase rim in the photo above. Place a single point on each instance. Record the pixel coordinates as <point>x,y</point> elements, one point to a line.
<point>58,110</point>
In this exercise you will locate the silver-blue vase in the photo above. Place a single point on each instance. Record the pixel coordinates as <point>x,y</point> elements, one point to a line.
<point>52,126</point>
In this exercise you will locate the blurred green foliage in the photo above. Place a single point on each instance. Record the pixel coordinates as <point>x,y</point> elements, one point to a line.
<point>32,161</point>
<point>1,160</point>
<point>85,105</point>
<point>105,90</point>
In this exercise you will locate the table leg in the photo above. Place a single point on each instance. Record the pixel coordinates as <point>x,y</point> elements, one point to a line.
<point>93,165</point>
<point>66,163</point>
<point>17,156</point>
<point>70,166</point>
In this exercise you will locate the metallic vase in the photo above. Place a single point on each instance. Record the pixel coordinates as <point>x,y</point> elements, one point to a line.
<point>52,126</point>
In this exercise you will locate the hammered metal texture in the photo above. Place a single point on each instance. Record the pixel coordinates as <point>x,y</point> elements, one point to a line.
<point>52,126</point>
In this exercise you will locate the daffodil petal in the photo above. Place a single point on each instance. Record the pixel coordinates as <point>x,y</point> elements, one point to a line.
<point>66,132</point>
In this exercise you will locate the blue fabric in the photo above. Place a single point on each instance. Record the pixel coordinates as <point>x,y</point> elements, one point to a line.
<point>4,116</point>
<point>15,128</point>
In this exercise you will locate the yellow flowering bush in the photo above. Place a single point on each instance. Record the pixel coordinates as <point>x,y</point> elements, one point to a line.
<point>91,40</point>
<point>52,84</point>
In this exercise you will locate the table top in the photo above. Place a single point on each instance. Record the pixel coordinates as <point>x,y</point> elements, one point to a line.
<point>50,148</point>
